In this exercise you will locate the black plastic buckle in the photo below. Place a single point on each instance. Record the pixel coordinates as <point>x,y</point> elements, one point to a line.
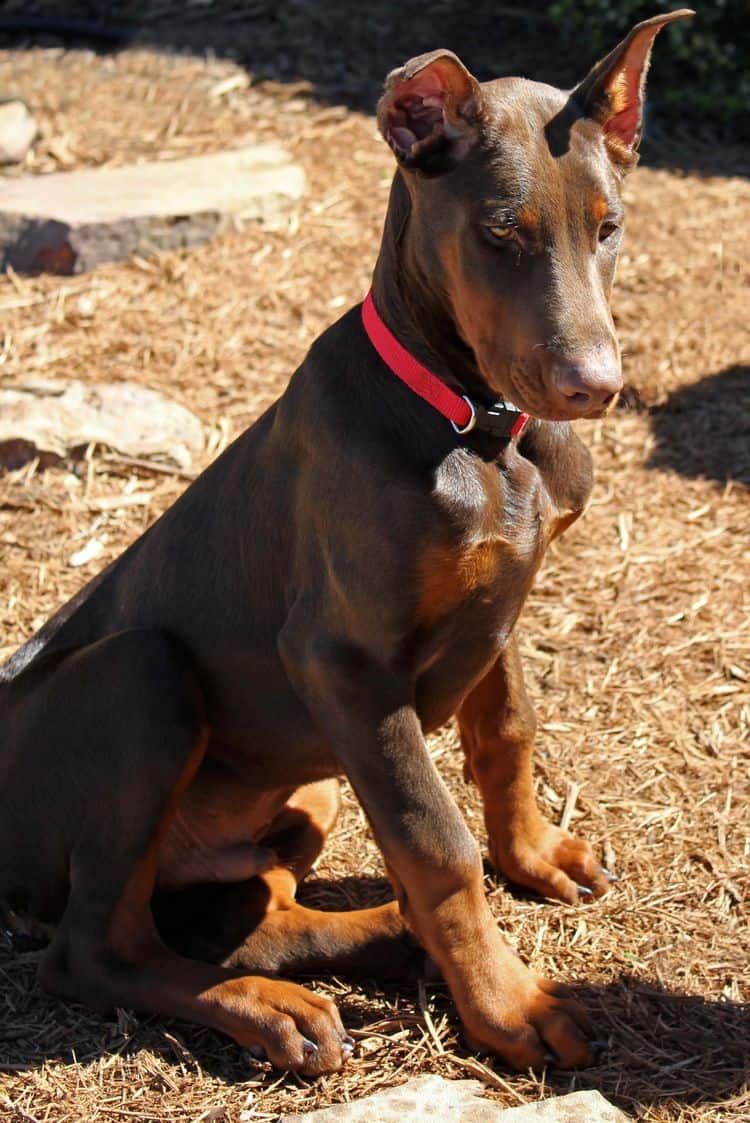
<point>497,419</point>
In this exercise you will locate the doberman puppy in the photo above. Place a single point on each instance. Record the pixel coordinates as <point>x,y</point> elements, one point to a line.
<point>339,582</point>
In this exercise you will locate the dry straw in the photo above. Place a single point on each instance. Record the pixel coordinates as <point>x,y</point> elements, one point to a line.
<point>635,638</point>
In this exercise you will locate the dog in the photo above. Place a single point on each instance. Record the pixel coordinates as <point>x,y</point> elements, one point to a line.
<point>342,580</point>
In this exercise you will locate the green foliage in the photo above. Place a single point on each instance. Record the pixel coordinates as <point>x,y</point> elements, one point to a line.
<point>701,74</point>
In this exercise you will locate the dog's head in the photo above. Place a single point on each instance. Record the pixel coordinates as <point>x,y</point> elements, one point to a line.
<point>516,214</point>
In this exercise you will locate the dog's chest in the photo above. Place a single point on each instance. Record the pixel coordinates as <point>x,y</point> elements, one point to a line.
<point>493,525</point>
<point>475,573</point>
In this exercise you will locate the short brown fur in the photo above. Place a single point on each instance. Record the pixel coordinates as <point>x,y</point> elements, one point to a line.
<point>342,580</point>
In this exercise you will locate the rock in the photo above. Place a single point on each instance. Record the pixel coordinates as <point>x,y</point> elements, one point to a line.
<point>58,417</point>
<point>577,1107</point>
<point>423,1098</point>
<point>460,1101</point>
<point>17,131</point>
<point>69,222</point>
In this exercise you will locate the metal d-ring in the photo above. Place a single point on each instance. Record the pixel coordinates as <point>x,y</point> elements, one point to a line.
<point>472,420</point>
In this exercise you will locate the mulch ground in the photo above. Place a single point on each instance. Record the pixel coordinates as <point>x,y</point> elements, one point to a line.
<point>635,638</point>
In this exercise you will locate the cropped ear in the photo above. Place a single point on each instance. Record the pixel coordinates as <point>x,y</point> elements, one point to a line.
<point>613,91</point>
<point>429,112</point>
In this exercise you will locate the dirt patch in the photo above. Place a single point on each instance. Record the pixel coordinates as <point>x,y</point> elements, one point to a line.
<point>635,638</point>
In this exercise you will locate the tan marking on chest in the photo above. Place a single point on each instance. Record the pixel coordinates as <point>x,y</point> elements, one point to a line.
<point>450,577</point>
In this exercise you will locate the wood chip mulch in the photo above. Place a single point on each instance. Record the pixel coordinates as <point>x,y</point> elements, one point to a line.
<point>636,636</point>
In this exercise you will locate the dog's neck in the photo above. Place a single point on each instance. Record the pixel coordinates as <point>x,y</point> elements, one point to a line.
<point>413,307</point>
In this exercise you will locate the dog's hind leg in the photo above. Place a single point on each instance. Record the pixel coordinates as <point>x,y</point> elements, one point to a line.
<point>125,714</point>
<point>238,926</point>
<point>258,924</point>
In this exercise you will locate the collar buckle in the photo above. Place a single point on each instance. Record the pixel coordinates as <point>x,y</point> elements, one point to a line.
<point>501,419</point>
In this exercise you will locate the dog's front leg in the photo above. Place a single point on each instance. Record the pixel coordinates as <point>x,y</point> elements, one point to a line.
<point>497,725</point>
<point>367,714</point>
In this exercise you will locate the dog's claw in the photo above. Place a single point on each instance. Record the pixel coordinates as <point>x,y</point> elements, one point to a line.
<point>550,1058</point>
<point>599,1045</point>
<point>611,877</point>
<point>309,1048</point>
<point>584,891</point>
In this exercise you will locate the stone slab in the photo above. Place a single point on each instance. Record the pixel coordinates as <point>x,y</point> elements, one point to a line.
<point>57,417</point>
<point>423,1098</point>
<point>69,222</point>
<point>577,1107</point>
<point>431,1098</point>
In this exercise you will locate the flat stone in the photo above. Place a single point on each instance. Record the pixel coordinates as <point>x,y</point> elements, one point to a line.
<point>69,222</point>
<point>423,1098</point>
<point>48,416</point>
<point>17,131</point>
<point>460,1101</point>
<point>577,1107</point>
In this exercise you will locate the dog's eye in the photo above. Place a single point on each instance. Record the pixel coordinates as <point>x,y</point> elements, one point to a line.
<point>505,233</point>
<point>606,230</point>
<point>501,232</point>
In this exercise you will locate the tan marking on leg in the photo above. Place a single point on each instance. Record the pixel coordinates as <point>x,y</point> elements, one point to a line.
<point>374,941</point>
<point>497,727</point>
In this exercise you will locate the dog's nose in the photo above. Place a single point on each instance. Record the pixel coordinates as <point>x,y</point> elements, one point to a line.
<point>587,384</point>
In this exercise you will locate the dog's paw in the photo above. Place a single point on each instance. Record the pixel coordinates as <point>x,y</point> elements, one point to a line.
<point>552,862</point>
<point>290,1026</point>
<point>534,1023</point>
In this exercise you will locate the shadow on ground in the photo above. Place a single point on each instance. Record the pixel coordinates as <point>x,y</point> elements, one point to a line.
<point>343,49</point>
<point>703,430</point>
<point>692,1049</point>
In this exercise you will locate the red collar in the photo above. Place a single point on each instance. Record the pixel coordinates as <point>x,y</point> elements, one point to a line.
<point>501,419</point>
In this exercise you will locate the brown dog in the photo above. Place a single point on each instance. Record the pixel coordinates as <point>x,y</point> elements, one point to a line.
<point>344,578</point>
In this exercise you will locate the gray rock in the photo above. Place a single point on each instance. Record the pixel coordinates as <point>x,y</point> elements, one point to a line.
<point>460,1101</point>
<point>69,222</point>
<point>423,1098</point>
<point>57,417</point>
<point>578,1107</point>
<point>17,131</point>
